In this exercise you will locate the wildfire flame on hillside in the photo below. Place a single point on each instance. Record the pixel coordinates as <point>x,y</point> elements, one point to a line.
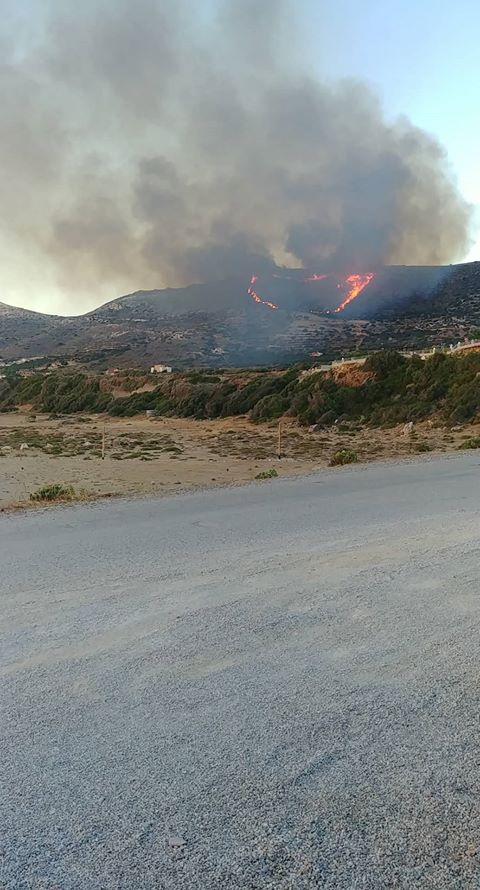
<point>253,294</point>
<point>353,285</point>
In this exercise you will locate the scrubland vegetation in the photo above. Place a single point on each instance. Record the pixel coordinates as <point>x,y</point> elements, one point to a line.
<point>392,389</point>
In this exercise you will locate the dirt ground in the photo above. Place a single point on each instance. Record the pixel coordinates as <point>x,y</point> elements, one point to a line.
<point>163,455</point>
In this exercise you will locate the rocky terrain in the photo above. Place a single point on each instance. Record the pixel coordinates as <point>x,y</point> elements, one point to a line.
<point>291,315</point>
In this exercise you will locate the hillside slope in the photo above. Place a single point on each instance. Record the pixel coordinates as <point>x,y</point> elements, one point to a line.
<point>281,317</point>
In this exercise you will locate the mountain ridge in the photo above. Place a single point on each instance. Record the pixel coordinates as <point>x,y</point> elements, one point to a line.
<point>290,315</point>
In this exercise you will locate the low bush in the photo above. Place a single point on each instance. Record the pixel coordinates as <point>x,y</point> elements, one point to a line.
<point>474,442</point>
<point>342,457</point>
<point>267,474</point>
<point>396,390</point>
<point>54,492</point>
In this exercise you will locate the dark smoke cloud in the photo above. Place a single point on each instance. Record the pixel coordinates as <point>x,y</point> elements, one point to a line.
<point>147,144</point>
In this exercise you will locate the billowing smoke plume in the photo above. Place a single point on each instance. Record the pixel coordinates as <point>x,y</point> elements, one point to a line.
<point>148,143</point>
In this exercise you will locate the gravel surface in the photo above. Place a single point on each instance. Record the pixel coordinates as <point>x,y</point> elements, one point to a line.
<point>274,686</point>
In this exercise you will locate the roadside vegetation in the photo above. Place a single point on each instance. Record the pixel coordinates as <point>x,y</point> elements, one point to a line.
<point>54,492</point>
<point>342,457</point>
<point>267,474</point>
<point>388,389</point>
<point>472,442</point>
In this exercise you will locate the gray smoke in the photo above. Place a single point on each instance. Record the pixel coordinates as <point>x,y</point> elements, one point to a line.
<point>149,144</point>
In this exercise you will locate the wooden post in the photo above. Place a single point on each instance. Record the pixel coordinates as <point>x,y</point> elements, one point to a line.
<point>279,454</point>
<point>103,442</point>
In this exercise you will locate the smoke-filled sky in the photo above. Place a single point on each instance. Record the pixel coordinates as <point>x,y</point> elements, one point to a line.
<point>163,142</point>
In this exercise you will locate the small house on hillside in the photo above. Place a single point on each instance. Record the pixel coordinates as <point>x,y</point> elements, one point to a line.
<point>161,369</point>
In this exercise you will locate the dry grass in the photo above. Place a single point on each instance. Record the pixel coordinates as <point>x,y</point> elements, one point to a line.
<point>76,442</point>
<point>168,454</point>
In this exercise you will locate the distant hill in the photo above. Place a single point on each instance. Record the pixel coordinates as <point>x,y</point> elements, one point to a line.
<point>274,319</point>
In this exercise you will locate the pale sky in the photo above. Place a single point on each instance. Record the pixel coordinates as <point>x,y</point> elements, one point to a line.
<point>422,57</point>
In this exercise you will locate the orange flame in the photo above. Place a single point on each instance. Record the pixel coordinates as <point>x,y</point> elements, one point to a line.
<point>253,294</point>
<point>355,285</point>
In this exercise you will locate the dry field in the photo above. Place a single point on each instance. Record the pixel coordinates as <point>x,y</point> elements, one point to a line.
<point>159,456</point>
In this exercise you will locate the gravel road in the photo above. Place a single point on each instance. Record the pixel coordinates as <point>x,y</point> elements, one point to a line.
<point>275,686</point>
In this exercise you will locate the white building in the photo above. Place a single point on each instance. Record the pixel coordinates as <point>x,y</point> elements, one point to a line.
<point>161,369</point>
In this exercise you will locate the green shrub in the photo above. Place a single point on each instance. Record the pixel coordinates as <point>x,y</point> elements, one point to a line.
<point>54,492</point>
<point>384,364</point>
<point>267,474</point>
<point>137,403</point>
<point>72,393</point>
<point>342,457</point>
<point>270,408</point>
<point>398,390</point>
<point>473,442</point>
